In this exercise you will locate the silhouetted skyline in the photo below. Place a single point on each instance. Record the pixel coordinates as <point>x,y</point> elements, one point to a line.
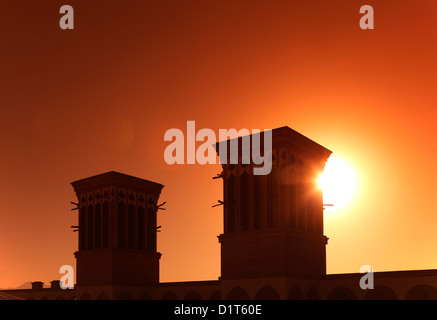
<point>272,247</point>
<point>100,97</point>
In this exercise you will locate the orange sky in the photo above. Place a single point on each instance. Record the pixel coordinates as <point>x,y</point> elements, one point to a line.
<point>98,98</point>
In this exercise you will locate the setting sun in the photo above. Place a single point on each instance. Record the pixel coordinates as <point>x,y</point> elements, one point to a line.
<point>338,183</point>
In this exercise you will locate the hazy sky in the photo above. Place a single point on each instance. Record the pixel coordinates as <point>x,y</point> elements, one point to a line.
<point>80,102</point>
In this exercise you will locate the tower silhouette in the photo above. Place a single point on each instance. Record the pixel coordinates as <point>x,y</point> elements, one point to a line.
<point>272,246</point>
<point>273,224</point>
<point>117,230</point>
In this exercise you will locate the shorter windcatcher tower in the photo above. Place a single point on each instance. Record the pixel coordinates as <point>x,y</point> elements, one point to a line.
<point>117,230</point>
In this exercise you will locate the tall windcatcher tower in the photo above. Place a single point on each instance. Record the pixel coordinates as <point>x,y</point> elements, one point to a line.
<point>273,224</point>
<point>117,230</point>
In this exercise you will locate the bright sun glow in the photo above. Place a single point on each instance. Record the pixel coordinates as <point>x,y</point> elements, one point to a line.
<point>338,183</point>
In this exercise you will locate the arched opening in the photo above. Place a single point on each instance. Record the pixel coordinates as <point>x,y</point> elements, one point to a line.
<point>141,228</point>
<point>145,296</point>
<point>422,292</point>
<point>102,296</point>
<point>193,296</point>
<point>295,293</point>
<point>238,293</point>
<point>90,235</point>
<point>380,293</point>
<point>312,294</point>
<point>216,295</point>
<point>244,200</point>
<point>169,296</point>
<point>97,225</point>
<point>231,191</point>
<point>85,296</point>
<point>121,225</point>
<point>124,296</point>
<point>267,293</point>
<point>341,293</point>
<point>151,229</point>
<point>131,226</point>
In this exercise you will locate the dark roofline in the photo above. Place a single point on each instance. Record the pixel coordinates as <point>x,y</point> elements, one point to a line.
<point>191,283</point>
<point>289,137</point>
<point>115,178</point>
<point>385,274</point>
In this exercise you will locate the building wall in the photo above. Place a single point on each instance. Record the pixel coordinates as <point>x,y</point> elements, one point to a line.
<point>398,285</point>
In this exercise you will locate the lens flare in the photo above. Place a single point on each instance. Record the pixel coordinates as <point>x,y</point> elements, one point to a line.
<point>338,183</point>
